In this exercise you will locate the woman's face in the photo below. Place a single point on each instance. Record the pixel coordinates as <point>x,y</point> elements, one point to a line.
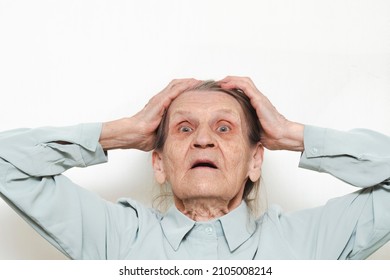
<point>207,152</point>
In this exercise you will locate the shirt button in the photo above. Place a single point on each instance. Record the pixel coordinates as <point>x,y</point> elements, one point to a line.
<point>209,230</point>
<point>314,151</point>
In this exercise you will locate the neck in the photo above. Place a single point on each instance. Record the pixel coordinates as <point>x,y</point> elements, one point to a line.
<point>205,209</point>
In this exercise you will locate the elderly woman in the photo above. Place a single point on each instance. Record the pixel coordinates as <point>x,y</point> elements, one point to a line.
<point>208,141</point>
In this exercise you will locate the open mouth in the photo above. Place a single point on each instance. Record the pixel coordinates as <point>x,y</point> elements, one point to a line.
<point>207,164</point>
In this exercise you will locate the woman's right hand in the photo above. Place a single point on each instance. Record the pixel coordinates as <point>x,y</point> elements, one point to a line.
<point>139,131</point>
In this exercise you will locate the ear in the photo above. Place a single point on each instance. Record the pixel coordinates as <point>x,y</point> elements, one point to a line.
<point>158,167</point>
<point>255,163</point>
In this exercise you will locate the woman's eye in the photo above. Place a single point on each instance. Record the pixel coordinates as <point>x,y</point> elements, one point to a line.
<point>223,128</point>
<point>185,129</point>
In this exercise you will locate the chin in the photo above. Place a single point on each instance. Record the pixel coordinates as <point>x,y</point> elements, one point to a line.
<point>201,190</point>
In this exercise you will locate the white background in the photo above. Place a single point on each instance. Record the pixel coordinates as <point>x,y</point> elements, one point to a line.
<point>325,63</point>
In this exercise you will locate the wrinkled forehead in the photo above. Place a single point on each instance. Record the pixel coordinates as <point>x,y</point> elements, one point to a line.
<point>202,101</point>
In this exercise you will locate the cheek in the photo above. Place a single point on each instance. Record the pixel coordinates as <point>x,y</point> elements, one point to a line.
<point>172,159</point>
<point>238,150</point>
<point>237,157</point>
<point>176,148</point>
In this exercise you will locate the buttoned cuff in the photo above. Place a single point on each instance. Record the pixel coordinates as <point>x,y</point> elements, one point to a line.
<point>314,142</point>
<point>93,152</point>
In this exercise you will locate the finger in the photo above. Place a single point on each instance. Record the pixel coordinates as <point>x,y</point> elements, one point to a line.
<point>235,78</point>
<point>162,100</point>
<point>180,85</point>
<point>175,88</point>
<point>243,83</point>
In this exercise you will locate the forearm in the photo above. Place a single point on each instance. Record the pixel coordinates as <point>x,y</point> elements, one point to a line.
<point>112,136</point>
<point>38,152</point>
<point>125,133</point>
<point>359,157</point>
<point>293,138</point>
<point>31,161</point>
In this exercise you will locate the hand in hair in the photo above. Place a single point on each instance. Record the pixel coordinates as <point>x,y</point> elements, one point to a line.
<point>139,131</point>
<point>278,132</point>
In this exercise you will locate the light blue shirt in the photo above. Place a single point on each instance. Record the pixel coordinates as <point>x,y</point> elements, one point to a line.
<point>84,226</point>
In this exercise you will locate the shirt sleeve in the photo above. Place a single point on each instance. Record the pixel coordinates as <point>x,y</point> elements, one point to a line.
<point>359,157</point>
<point>356,225</point>
<point>76,221</point>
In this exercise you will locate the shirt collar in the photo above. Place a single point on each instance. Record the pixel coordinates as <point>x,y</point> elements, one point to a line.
<point>175,226</point>
<point>238,226</point>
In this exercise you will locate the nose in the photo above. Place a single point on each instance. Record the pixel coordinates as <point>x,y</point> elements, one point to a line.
<point>204,138</point>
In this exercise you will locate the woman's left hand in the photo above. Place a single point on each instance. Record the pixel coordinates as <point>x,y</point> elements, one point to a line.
<point>278,132</point>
